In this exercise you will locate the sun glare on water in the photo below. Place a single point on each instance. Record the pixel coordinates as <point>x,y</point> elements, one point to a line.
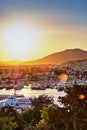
<point>20,40</point>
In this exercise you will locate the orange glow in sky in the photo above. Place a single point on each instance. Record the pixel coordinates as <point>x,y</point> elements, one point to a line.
<point>30,30</point>
<point>20,40</point>
<point>28,42</point>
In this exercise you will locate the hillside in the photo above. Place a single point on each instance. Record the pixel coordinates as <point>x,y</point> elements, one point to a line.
<point>55,58</point>
<point>61,57</point>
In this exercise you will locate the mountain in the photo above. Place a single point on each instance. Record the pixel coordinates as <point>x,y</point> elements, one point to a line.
<point>55,58</point>
<point>61,57</point>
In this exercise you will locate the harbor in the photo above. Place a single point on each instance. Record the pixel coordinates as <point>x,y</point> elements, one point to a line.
<point>28,92</point>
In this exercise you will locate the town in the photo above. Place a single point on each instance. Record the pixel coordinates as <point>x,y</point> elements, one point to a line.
<point>40,77</point>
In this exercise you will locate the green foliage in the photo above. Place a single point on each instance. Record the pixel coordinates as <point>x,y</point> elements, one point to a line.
<point>30,128</point>
<point>53,116</point>
<point>6,123</point>
<point>72,100</point>
<point>9,112</point>
<point>31,116</point>
<point>76,107</point>
<point>42,101</point>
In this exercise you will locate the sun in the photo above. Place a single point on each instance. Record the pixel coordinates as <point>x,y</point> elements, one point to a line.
<point>20,40</point>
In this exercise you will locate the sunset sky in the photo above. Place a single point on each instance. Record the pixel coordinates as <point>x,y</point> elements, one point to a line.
<point>32,29</point>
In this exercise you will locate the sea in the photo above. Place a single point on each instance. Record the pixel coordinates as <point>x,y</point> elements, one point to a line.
<point>28,92</point>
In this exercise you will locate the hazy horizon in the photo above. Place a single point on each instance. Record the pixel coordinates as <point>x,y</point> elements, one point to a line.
<point>18,60</point>
<point>31,30</point>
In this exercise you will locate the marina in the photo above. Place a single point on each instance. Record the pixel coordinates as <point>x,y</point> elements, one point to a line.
<point>28,92</point>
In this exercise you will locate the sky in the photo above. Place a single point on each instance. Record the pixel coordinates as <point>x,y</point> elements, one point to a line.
<point>32,29</point>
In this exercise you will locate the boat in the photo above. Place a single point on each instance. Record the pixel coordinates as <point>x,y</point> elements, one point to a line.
<point>18,87</point>
<point>8,86</point>
<point>60,86</point>
<point>16,94</point>
<point>1,86</point>
<point>37,86</point>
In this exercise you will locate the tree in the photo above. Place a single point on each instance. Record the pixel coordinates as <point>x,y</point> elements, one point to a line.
<point>76,97</point>
<point>76,104</point>
<point>31,116</point>
<point>42,101</point>
<point>9,112</point>
<point>7,123</point>
<point>54,117</point>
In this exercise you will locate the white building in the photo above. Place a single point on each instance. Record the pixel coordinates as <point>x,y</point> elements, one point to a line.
<point>22,103</point>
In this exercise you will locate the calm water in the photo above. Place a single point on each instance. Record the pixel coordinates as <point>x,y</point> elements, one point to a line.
<point>27,92</point>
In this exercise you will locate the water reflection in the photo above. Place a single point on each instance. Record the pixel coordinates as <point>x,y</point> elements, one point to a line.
<point>27,92</point>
